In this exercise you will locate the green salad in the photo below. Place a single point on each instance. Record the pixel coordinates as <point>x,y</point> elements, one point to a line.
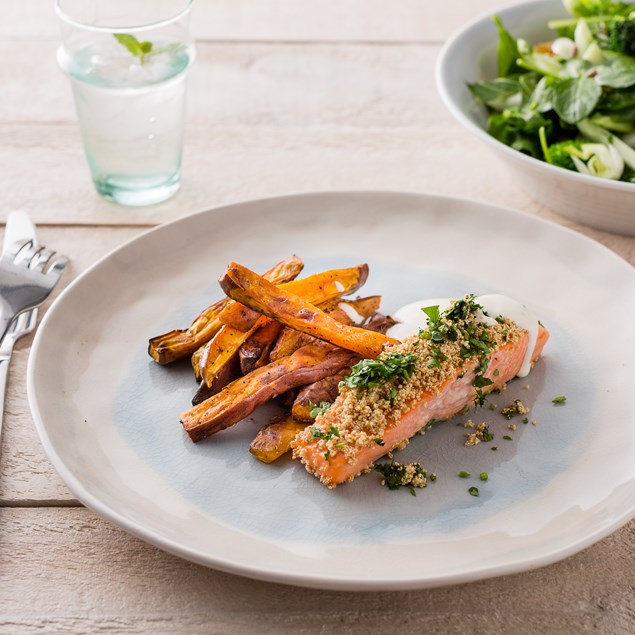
<point>569,101</point>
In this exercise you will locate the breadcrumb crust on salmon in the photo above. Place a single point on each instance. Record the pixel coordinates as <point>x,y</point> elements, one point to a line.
<point>365,423</point>
<point>361,416</point>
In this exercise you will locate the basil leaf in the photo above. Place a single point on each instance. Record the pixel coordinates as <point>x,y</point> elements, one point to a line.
<point>575,99</point>
<point>617,71</point>
<point>497,93</point>
<point>507,49</point>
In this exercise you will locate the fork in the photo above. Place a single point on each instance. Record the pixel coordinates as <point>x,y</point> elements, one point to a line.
<point>27,277</point>
<point>22,325</point>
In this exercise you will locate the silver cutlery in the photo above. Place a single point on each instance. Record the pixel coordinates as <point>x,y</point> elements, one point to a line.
<point>28,274</point>
<point>21,253</point>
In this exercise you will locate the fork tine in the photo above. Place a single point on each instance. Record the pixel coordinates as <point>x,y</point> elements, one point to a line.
<point>27,254</point>
<point>58,265</point>
<point>40,259</point>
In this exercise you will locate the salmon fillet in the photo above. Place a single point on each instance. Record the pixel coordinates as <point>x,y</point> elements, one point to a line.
<point>347,439</point>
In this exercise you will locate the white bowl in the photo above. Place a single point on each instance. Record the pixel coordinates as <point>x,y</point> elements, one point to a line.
<point>470,55</point>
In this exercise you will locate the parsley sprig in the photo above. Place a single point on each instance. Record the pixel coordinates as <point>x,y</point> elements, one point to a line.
<point>331,432</point>
<point>318,409</point>
<point>370,373</point>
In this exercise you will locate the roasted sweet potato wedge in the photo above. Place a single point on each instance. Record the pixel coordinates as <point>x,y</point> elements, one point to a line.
<point>322,390</point>
<point>326,389</point>
<point>229,372</point>
<point>339,309</point>
<point>331,284</point>
<point>274,439</point>
<point>254,353</point>
<point>240,398</point>
<point>252,290</point>
<point>315,289</point>
<point>180,343</point>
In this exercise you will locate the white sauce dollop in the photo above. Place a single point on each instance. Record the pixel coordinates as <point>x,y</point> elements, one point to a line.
<point>412,318</point>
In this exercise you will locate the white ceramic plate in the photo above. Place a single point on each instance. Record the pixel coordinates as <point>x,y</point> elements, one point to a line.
<point>109,417</point>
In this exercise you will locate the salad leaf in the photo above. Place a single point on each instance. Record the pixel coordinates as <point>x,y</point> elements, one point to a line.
<point>575,98</point>
<point>622,122</point>
<point>621,35</point>
<point>507,49</point>
<point>519,129</point>
<point>541,98</point>
<point>617,100</point>
<point>617,71</point>
<point>499,93</point>
<point>589,8</point>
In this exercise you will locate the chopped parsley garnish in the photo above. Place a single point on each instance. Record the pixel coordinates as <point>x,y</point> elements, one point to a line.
<point>318,409</point>
<point>379,441</point>
<point>371,372</point>
<point>473,491</point>
<point>464,474</point>
<point>560,399</point>
<point>486,435</point>
<point>507,437</point>
<point>332,431</point>
<point>397,475</point>
<point>494,448</point>
<point>481,382</point>
<point>448,326</point>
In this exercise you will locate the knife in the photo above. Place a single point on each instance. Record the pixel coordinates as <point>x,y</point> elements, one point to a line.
<point>19,229</point>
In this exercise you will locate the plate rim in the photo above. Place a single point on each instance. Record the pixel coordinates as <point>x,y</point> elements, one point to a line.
<point>310,580</point>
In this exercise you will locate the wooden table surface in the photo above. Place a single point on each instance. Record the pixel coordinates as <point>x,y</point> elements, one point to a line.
<point>285,96</point>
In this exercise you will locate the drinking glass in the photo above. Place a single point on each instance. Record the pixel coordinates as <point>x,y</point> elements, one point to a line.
<point>128,62</point>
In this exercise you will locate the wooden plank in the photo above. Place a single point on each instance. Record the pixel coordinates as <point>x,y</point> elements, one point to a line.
<point>255,84</point>
<point>26,476</point>
<point>287,20</point>
<point>66,571</point>
<point>45,173</point>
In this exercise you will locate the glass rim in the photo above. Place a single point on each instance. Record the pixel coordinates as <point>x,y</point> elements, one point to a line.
<point>65,17</point>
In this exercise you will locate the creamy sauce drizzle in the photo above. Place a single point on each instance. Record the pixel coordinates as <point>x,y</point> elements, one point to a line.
<point>411,318</point>
<point>351,312</point>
